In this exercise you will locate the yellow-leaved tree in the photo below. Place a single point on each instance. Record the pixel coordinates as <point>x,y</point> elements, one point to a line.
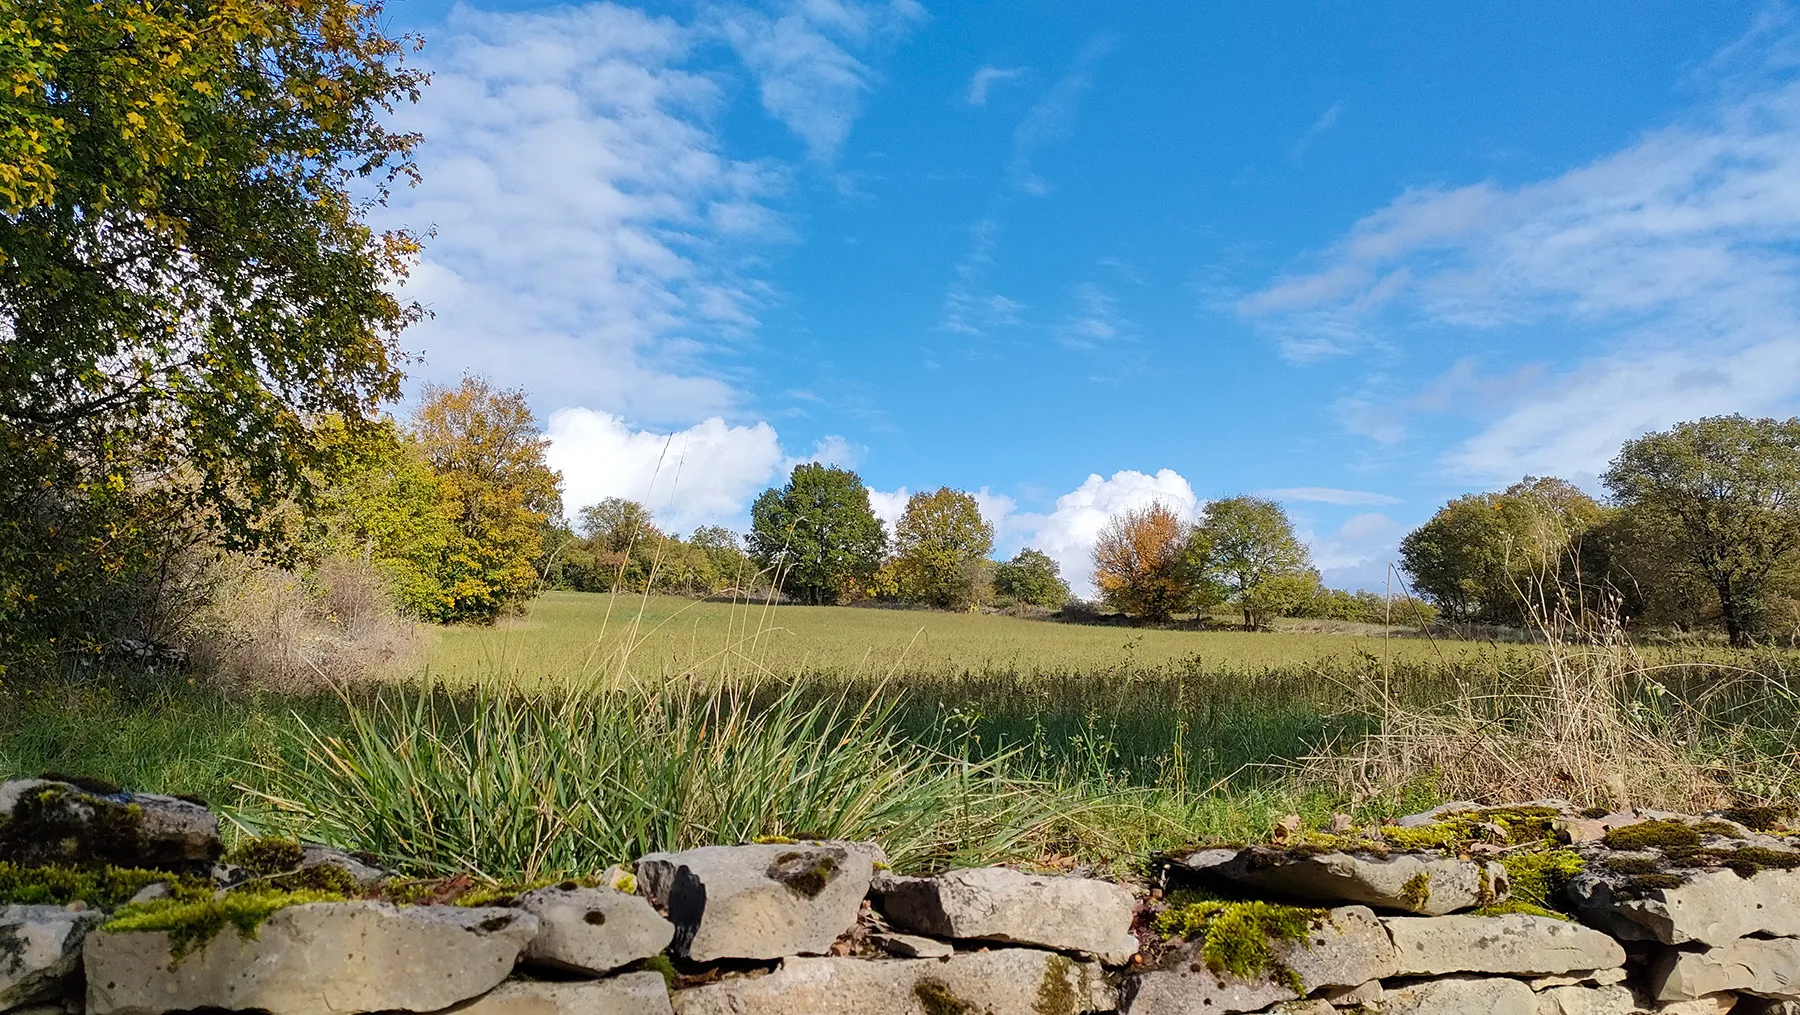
<point>1146,564</point>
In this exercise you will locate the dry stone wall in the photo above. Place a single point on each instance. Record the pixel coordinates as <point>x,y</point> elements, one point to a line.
<point>126,904</point>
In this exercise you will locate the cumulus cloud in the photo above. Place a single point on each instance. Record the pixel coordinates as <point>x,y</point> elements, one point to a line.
<point>706,473</point>
<point>805,62</point>
<point>1067,533</point>
<point>986,78</point>
<point>1670,262</point>
<point>1357,552</point>
<point>888,506</point>
<point>1327,495</point>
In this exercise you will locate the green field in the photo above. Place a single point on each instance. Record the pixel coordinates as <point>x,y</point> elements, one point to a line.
<point>575,637</point>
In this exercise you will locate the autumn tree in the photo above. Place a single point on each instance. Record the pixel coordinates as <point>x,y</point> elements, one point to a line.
<point>818,534</point>
<point>941,544</point>
<point>1728,487</point>
<point>1146,565</point>
<point>1253,555</point>
<point>496,490</point>
<point>1032,577</point>
<point>188,283</point>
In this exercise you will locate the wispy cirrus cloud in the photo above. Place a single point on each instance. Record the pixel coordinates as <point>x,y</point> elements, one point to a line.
<point>986,78</point>
<point>1673,265</point>
<point>1328,495</point>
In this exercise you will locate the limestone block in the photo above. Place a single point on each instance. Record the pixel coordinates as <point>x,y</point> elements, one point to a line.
<point>1461,995</point>
<point>1000,904</point>
<point>1713,907</point>
<point>757,902</point>
<point>1769,967</point>
<point>1008,981</point>
<point>593,930</point>
<point>625,994</point>
<point>40,951</point>
<point>55,822</point>
<point>1425,883</point>
<point>1515,944</point>
<point>1579,978</point>
<point>912,946</point>
<point>1613,999</point>
<point>337,957</point>
<point>1347,948</point>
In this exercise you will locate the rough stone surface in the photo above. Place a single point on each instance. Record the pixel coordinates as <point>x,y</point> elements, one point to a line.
<point>998,904</point>
<point>1347,948</point>
<point>1769,967</point>
<point>1363,994</point>
<point>55,822</point>
<point>625,994</point>
<point>1459,995</point>
<point>756,902</point>
<point>1713,907</point>
<point>593,930</point>
<point>1423,883</point>
<point>331,957</point>
<point>1515,944</point>
<point>1582,978</point>
<point>912,946</point>
<point>40,951</point>
<point>1576,1000</point>
<point>1008,981</point>
<point>314,855</point>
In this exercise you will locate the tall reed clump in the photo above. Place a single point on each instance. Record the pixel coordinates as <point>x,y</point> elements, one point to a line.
<point>1587,719</point>
<point>532,786</point>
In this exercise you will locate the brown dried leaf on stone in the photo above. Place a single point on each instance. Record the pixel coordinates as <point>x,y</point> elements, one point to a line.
<point>1285,828</point>
<point>1341,823</point>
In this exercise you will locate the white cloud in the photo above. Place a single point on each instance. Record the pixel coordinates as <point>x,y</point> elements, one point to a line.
<point>997,509</point>
<point>587,226</point>
<point>1095,321</point>
<point>706,473</point>
<point>1068,532</point>
<point>1325,122</point>
<point>1052,117</point>
<point>1328,495</point>
<point>1672,263</point>
<point>805,63</point>
<point>888,506</point>
<point>1362,545</point>
<point>986,78</point>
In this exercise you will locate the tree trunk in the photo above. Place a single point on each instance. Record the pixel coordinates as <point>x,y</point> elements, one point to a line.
<point>1736,630</point>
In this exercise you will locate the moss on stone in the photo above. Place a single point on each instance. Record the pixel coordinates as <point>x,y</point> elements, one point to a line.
<point>60,825</point>
<point>774,840</point>
<point>1513,826</point>
<point>1054,995</point>
<point>1236,937</point>
<point>190,925</point>
<point>1416,892</point>
<point>505,893</point>
<point>104,887</point>
<point>12,949</point>
<point>1663,835</point>
<point>1640,885</point>
<point>936,997</point>
<point>1512,906</point>
<point>1759,819</point>
<point>267,856</point>
<point>1745,861</point>
<point>89,783</point>
<point>805,874</point>
<point>1536,878</point>
<point>660,964</point>
<point>1632,864</point>
<point>1320,843</point>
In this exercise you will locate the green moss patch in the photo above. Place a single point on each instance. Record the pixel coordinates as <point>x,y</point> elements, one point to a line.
<point>1510,826</point>
<point>1055,996</point>
<point>804,874</point>
<point>103,887</point>
<point>936,997</point>
<point>57,825</point>
<point>190,925</point>
<point>1537,878</point>
<point>1512,906</point>
<point>1417,890</point>
<point>1663,835</point>
<point>266,857</point>
<point>1238,937</point>
<point>1760,819</point>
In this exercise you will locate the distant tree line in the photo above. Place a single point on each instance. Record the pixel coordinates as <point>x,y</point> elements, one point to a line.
<point>1701,529</point>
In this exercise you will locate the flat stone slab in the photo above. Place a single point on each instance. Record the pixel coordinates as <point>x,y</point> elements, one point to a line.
<point>1516,944</point>
<point>593,930</point>
<point>1347,948</point>
<point>1461,995</point>
<point>56,822</point>
<point>757,902</point>
<point>1612,999</point>
<point>1009,981</point>
<point>1070,914</point>
<point>625,994</point>
<point>40,951</point>
<point>336,957</point>
<point>1713,907</point>
<point>1429,884</point>
<point>912,946</point>
<point>1768,967</point>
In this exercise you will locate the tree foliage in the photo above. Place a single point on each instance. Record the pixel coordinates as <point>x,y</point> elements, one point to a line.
<point>1730,487</point>
<point>818,534</point>
<point>496,490</point>
<point>1032,577</point>
<point>187,286</point>
<point>1253,555</point>
<point>1145,563</point>
<point>941,545</point>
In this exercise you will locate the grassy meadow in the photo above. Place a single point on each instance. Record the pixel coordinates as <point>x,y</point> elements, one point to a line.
<point>594,729</point>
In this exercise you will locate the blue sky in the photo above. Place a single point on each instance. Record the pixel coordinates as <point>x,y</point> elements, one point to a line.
<point>1364,258</point>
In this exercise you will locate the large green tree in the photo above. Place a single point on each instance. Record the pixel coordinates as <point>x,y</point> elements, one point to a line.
<point>818,534</point>
<point>1031,576</point>
<point>187,280</point>
<point>1253,554</point>
<point>496,490</point>
<point>1730,488</point>
<point>1508,556</point>
<point>941,543</point>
